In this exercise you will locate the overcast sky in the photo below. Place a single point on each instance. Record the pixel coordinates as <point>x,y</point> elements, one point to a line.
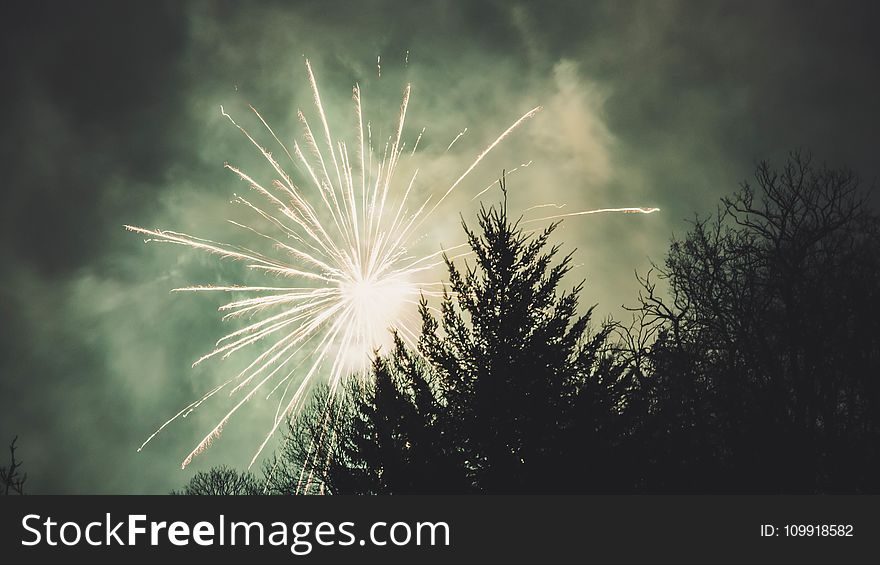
<point>110,116</point>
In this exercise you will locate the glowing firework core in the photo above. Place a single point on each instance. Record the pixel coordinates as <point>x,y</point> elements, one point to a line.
<point>376,305</point>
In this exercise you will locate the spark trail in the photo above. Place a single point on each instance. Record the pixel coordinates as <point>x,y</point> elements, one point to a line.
<point>342,232</point>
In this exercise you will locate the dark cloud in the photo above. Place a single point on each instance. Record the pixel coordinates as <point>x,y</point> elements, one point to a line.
<point>93,93</point>
<point>110,116</point>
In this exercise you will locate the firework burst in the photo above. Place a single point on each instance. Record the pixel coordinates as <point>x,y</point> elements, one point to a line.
<point>342,233</point>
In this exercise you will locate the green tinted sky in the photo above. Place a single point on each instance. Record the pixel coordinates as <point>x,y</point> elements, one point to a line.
<point>111,116</point>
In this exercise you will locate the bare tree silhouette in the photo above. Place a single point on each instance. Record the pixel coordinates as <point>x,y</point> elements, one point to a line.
<point>763,376</point>
<point>11,477</point>
<point>222,481</point>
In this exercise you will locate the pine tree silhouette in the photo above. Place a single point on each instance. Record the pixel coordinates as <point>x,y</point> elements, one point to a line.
<point>380,435</point>
<point>527,388</point>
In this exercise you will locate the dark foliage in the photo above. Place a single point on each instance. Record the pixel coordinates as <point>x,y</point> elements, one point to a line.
<point>381,435</point>
<point>764,374</point>
<point>530,394</point>
<point>753,367</point>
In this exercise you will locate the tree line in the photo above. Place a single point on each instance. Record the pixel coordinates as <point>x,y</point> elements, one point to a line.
<point>751,364</point>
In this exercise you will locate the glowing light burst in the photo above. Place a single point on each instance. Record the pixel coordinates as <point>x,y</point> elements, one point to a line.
<point>344,237</point>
